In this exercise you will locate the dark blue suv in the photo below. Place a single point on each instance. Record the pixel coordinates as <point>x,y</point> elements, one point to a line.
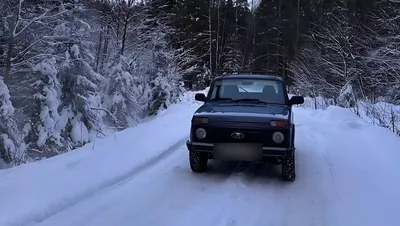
<point>245,117</point>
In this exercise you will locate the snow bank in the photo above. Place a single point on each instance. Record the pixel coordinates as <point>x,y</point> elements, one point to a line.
<point>188,97</point>
<point>315,103</point>
<point>39,189</point>
<point>381,113</point>
<point>354,162</point>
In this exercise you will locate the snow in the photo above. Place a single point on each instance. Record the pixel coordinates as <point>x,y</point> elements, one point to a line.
<point>347,174</point>
<point>6,108</point>
<point>346,97</point>
<point>79,132</point>
<point>379,113</point>
<point>75,51</point>
<point>46,67</point>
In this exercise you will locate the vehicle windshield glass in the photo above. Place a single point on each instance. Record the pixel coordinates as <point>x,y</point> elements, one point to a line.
<point>256,90</point>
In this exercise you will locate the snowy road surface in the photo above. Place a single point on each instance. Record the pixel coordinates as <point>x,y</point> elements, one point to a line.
<point>348,174</point>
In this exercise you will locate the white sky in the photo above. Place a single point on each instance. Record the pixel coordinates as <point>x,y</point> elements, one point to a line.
<point>253,2</point>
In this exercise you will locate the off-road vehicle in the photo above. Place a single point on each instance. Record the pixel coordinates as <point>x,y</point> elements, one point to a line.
<point>245,117</point>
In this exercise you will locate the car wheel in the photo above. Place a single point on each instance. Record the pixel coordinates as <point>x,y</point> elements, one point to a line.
<point>198,161</point>
<point>289,168</point>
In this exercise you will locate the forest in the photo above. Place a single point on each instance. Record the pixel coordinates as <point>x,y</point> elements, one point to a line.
<point>74,70</point>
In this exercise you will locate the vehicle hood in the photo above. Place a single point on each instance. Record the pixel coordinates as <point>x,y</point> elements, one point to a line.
<point>242,112</point>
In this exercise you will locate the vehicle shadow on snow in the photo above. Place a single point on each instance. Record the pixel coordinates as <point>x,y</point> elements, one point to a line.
<point>246,171</point>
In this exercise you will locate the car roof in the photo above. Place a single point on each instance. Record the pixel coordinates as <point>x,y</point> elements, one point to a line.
<point>249,76</point>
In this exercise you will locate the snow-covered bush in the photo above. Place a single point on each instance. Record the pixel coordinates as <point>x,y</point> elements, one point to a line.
<point>346,97</point>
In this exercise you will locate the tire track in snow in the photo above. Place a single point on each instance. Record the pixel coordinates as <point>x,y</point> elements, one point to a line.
<point>159,177</point>
<point>219,198</point>
<point>319,137</point>
<point>240,193</point>
<point>76,199</point>
<point>314,174</point>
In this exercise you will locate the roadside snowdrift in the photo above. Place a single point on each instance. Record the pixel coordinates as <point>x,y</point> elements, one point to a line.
<point>381,113</point>
<point>363,165</point>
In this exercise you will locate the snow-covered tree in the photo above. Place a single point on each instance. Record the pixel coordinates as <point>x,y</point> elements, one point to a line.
<point>43,137</point>
<point>121,96</point>
<point>233,56</point>
<point>10,146</point>
<point>161,65</point>
<point>381,62</point>
<point>25,31</point>
<point>80,95</point>
<point>332,62</point>
<point>81,120</point>
<point>203,78</point>
<point>346,97</point>
<point>6,111</point>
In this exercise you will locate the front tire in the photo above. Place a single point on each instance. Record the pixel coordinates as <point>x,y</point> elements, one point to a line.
<point>289,168</point>
<point>198,161</point>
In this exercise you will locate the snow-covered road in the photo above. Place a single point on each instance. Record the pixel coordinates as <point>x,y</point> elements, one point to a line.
<point>348,174</point>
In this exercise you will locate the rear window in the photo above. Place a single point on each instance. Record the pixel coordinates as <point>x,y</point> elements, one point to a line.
<point>270,91</point>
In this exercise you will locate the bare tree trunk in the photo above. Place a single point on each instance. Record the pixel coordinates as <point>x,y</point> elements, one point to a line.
<point>11,43</point>
<point>254,35</point>
<point>217,43</point>
<point>125,31</point>
<point>99,45</point>
<point>236,21</point>
<point>210,3</point>
<point>105,46</point>
<point>298,23</point>
<point>223,41</point>
<point>7,75</point>
<point>278,34</point>
<point>321,11</point>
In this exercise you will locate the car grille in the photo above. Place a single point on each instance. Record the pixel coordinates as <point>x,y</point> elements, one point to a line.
<point>223,135</point>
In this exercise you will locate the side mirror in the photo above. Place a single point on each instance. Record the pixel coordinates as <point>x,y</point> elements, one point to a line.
<point>296,100</point>
<point>200,97</point>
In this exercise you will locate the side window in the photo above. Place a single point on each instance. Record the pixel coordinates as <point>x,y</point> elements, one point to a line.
<point>217,86</point>
<point>214,93</point>
<point>221,91</point>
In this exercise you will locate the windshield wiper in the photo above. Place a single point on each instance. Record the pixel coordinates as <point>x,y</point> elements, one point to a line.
<point>251,100</point>
<point>237,100</point>
<point>223,98</point>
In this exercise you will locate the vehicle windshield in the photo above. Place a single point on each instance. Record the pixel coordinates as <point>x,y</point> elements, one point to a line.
<point>248,90</point>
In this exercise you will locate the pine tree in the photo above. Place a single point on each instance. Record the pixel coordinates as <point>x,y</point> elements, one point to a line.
<point>8,141</point>
<point>80,83</point>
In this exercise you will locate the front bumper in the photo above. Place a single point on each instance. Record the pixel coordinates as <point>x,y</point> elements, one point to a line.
<point>266,151</point>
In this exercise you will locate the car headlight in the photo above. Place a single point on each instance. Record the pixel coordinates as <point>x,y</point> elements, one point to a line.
<point>201,133</point>
<point>278,137</point>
